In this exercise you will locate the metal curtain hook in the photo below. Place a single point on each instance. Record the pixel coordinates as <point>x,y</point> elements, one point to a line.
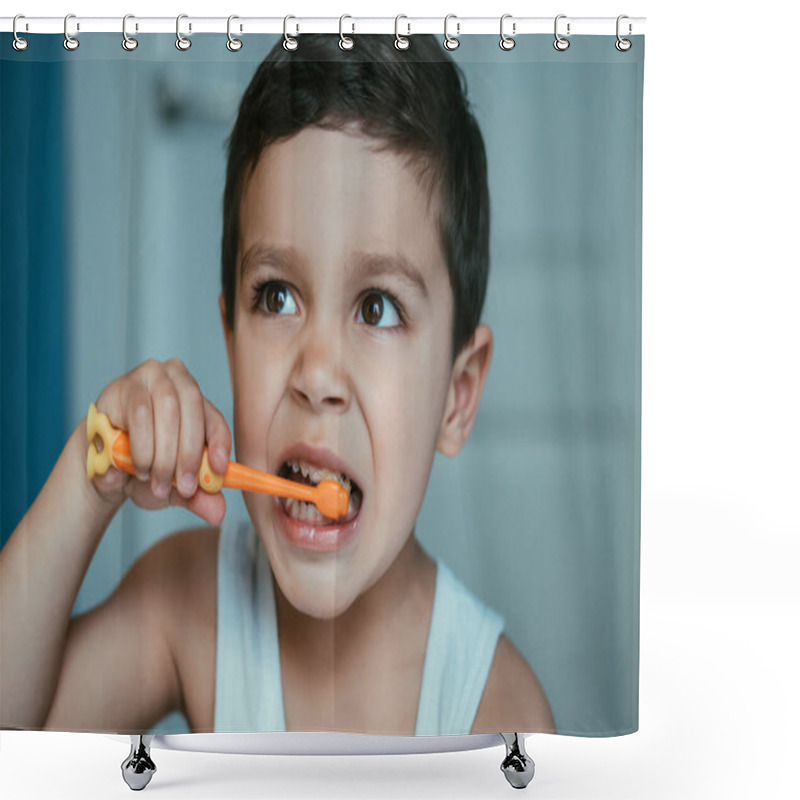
<point>401,42</point>
<point>70,42</point>
<point>181,42</point>
<point>128,42</point>
<point>288,42</point>
<point>451,42</point>
<point>233,44</point>
<point>623,45</point>
<point>345,42</point>
<point>19,43</point>
<point>507,42</point>
<point>561,43</point>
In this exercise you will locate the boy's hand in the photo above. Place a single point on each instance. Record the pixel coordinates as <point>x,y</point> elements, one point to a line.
<point>169,422</point>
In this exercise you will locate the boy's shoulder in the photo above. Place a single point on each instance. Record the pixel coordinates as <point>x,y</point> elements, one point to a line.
<point>513,699</point>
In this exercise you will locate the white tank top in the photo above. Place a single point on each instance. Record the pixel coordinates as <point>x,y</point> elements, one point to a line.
<point>249,697</point>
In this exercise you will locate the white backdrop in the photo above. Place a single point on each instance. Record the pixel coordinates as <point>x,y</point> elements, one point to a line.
<point>720,610</point>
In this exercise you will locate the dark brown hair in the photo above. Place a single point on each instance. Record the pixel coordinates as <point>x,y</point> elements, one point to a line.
<point>413,103</point>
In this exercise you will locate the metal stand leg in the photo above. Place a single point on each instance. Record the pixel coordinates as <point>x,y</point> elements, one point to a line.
<point>518,766</point>
<point>138,768</point>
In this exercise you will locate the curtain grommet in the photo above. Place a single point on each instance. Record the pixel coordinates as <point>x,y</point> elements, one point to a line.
<point>70,42</point>
<point>129,43</point>
<point>289,43</point>
<point>181,42</point>
<point>19,44</point>
<point>451,42</point>
<point>560,44</point>
<point>507,42</point>
<point>401,42</point>
<point>346,42</point>
<point>233,44</point>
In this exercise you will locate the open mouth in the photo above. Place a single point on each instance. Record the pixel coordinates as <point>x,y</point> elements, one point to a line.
<point>309,474</point>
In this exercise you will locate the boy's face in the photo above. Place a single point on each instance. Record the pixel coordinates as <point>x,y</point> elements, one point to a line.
<point>321,356</point>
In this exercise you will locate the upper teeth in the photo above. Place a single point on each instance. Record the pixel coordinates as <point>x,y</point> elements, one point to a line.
<point>317,474</point>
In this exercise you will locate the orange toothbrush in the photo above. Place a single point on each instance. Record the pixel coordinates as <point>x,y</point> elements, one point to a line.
<point>330,497</point>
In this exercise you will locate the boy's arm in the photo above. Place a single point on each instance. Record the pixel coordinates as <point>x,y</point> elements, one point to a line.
<point>118,672</point>
<point>41,569</point>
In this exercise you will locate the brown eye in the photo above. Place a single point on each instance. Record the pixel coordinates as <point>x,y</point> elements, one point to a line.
<point>372,309</point>
<point>276,297</point>
<point>379,309</point>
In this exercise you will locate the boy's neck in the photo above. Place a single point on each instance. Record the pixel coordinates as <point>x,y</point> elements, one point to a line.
<point>407,585</point>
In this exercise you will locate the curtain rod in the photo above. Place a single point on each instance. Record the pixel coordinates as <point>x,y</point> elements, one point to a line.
<point>297,25</point>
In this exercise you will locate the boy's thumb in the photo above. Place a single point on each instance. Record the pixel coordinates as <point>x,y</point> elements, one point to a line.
<point>210,507</point>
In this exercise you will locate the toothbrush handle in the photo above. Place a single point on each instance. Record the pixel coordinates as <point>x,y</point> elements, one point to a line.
<point>207,479</point>
<point>237,476</point>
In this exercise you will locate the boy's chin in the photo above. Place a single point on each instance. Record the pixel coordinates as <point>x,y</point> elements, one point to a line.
<point>315,596</point>
<point>322,584</point>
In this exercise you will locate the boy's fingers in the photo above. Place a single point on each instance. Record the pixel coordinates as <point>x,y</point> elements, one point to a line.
<point>141,493</point>
<point>111,482</point>
<point>218,436</point>
<point>109,402</point>
<point>169,422</point>
<point>211,507</point>
<point>126,402</point>
<point>138,421</point>
<point>166,419</point>
<point>192,429</point>
<point>112,403</point>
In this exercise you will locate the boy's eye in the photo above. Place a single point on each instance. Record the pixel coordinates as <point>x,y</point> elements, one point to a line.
<point>277,298</point>
<point>373,310</point>
<point>377,309</point>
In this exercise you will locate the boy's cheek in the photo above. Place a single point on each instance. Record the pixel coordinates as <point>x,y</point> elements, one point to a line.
<point>251,420</point>
<point>258,373</point>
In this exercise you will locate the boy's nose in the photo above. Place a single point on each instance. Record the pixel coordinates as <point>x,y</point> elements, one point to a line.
<point>319,380</point>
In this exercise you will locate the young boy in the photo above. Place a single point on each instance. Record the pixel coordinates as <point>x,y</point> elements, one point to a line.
<point>355,260</point>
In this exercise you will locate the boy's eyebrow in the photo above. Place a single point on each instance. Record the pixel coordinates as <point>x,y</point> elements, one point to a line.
<point>385,264</point>
<point>366,263</point>
<point>259,254</point>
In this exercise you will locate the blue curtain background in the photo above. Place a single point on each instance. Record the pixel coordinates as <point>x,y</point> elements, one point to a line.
<point>32,255</point>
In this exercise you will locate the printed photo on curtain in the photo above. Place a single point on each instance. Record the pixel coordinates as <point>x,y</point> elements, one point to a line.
<point>321,379</point>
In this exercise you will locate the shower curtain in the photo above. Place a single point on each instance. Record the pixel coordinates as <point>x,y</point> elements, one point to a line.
<point>415,272</point>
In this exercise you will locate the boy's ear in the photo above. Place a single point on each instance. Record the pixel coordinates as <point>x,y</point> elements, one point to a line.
<point>466,387</point>
<point>228,334</point>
